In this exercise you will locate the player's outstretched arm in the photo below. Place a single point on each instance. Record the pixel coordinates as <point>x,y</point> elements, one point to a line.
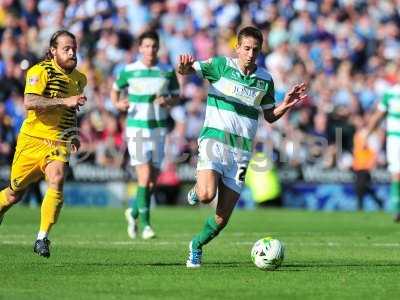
<point>38,102</point>
<point>185,66</point>
<point>296,95</point>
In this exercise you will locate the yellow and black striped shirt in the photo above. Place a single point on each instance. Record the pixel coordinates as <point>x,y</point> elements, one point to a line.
<point>47,79</point>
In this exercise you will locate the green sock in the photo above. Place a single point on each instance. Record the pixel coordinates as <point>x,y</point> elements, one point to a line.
<point>395,196</point>
<point>143,205</point>
<point>135,209</point>
<point>210,231</point>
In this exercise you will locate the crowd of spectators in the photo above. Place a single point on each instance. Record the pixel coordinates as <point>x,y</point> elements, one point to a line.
<point>346,50</point>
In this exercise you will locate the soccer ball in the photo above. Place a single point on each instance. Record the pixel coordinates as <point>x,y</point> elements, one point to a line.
<point>267,253</point>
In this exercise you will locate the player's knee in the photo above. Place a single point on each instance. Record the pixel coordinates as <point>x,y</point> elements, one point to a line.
<point>145,181</point>
<point>56,180</point>
<point>206,195</point>
<point>13,196</point>
<point>148,184</point>
<point>221,221</point>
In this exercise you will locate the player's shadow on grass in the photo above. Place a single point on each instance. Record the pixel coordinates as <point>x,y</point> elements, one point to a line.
<point>338,265</point>
<point>207,264</point>
<point>169,264</point>
<point>301,267</point>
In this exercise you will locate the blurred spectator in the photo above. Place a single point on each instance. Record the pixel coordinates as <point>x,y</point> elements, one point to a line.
<point>15,109</point>
<point>111,147</point>
<point>364,160</point>
<point>348,52</point>
<point>7,138</point>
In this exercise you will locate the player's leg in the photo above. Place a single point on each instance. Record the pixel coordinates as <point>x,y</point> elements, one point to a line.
<point>393,151</point>
<point>206,188</point>
<point>24,171</point>
<point>395,195</point>
<point>147,175</point>
<point>53,166</point>
<point>146,156</point>
<point>227,199</point>
<point>371,191</point>
<point>139,155</point>
<point>359,187</point>
<point>53,199</point>
<point>206,185</point>
<point>208,173</point>
<point>8,198</point>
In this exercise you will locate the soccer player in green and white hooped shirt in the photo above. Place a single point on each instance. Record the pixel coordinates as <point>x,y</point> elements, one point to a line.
<point>238,90</point>
<point>152,89</point>
<point>390,107</point>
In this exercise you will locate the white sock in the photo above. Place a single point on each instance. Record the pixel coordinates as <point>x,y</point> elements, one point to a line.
<point>41,235</point>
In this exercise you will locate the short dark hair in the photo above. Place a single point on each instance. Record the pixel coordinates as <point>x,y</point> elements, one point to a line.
<point>54,41</point>
<point>149,35</point>
<point>250,31</point>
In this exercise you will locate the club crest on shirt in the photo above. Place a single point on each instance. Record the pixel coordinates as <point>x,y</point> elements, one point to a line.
<point>16,182</point>
<point>260,84</point>
<point>33,80</point>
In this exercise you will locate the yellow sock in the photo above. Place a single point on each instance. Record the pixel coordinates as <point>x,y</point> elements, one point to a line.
<point>4,204</point>
<point>51,207</point>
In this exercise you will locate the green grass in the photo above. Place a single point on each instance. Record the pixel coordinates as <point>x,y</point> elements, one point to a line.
<point>328,256</point>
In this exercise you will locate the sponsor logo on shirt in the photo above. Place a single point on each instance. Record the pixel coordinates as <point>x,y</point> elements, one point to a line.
<point>242,91</point>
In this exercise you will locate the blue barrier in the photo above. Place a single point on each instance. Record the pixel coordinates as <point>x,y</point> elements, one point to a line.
<point>310,196</point>
<point>329,197</point>
<point>322,196</point>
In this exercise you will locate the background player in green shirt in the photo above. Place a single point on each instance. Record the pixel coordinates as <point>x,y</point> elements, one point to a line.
<point>152,88</point>
<point>389,107</point>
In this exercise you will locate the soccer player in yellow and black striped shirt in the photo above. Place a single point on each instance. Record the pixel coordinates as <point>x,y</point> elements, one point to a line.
<point>53,93</point>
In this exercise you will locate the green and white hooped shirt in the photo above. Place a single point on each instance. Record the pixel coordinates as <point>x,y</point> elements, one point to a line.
<point>234,102</point>
<point>391,105</point>
<point>146,118</point>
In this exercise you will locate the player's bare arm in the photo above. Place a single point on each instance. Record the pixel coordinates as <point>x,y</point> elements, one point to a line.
<point>185,66</point>
<point>121,104</point>
<point>296,95</point>
<point>376,118</point>
<point>38,102</point>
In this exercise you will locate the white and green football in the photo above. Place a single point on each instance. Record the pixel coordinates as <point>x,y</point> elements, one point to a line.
<point>268,253</point>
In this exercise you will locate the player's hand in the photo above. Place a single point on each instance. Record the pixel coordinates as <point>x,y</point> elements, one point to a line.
<point>75,101</point>
<point>122,105</point>
<point>162,101</point>
<point>296,95</point>
<point>185,63</point>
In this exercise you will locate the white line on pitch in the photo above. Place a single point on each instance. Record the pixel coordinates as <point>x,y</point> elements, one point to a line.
<point>138,242</point>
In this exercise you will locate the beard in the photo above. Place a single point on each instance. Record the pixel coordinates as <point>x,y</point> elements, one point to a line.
<point>67,64</point>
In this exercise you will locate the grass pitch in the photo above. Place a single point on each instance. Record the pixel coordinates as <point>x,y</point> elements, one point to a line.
<point>328,256</point>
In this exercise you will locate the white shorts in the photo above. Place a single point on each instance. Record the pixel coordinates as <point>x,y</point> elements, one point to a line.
<point>146,150</point>
<point>393,153</point>
<point>229,163</point>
